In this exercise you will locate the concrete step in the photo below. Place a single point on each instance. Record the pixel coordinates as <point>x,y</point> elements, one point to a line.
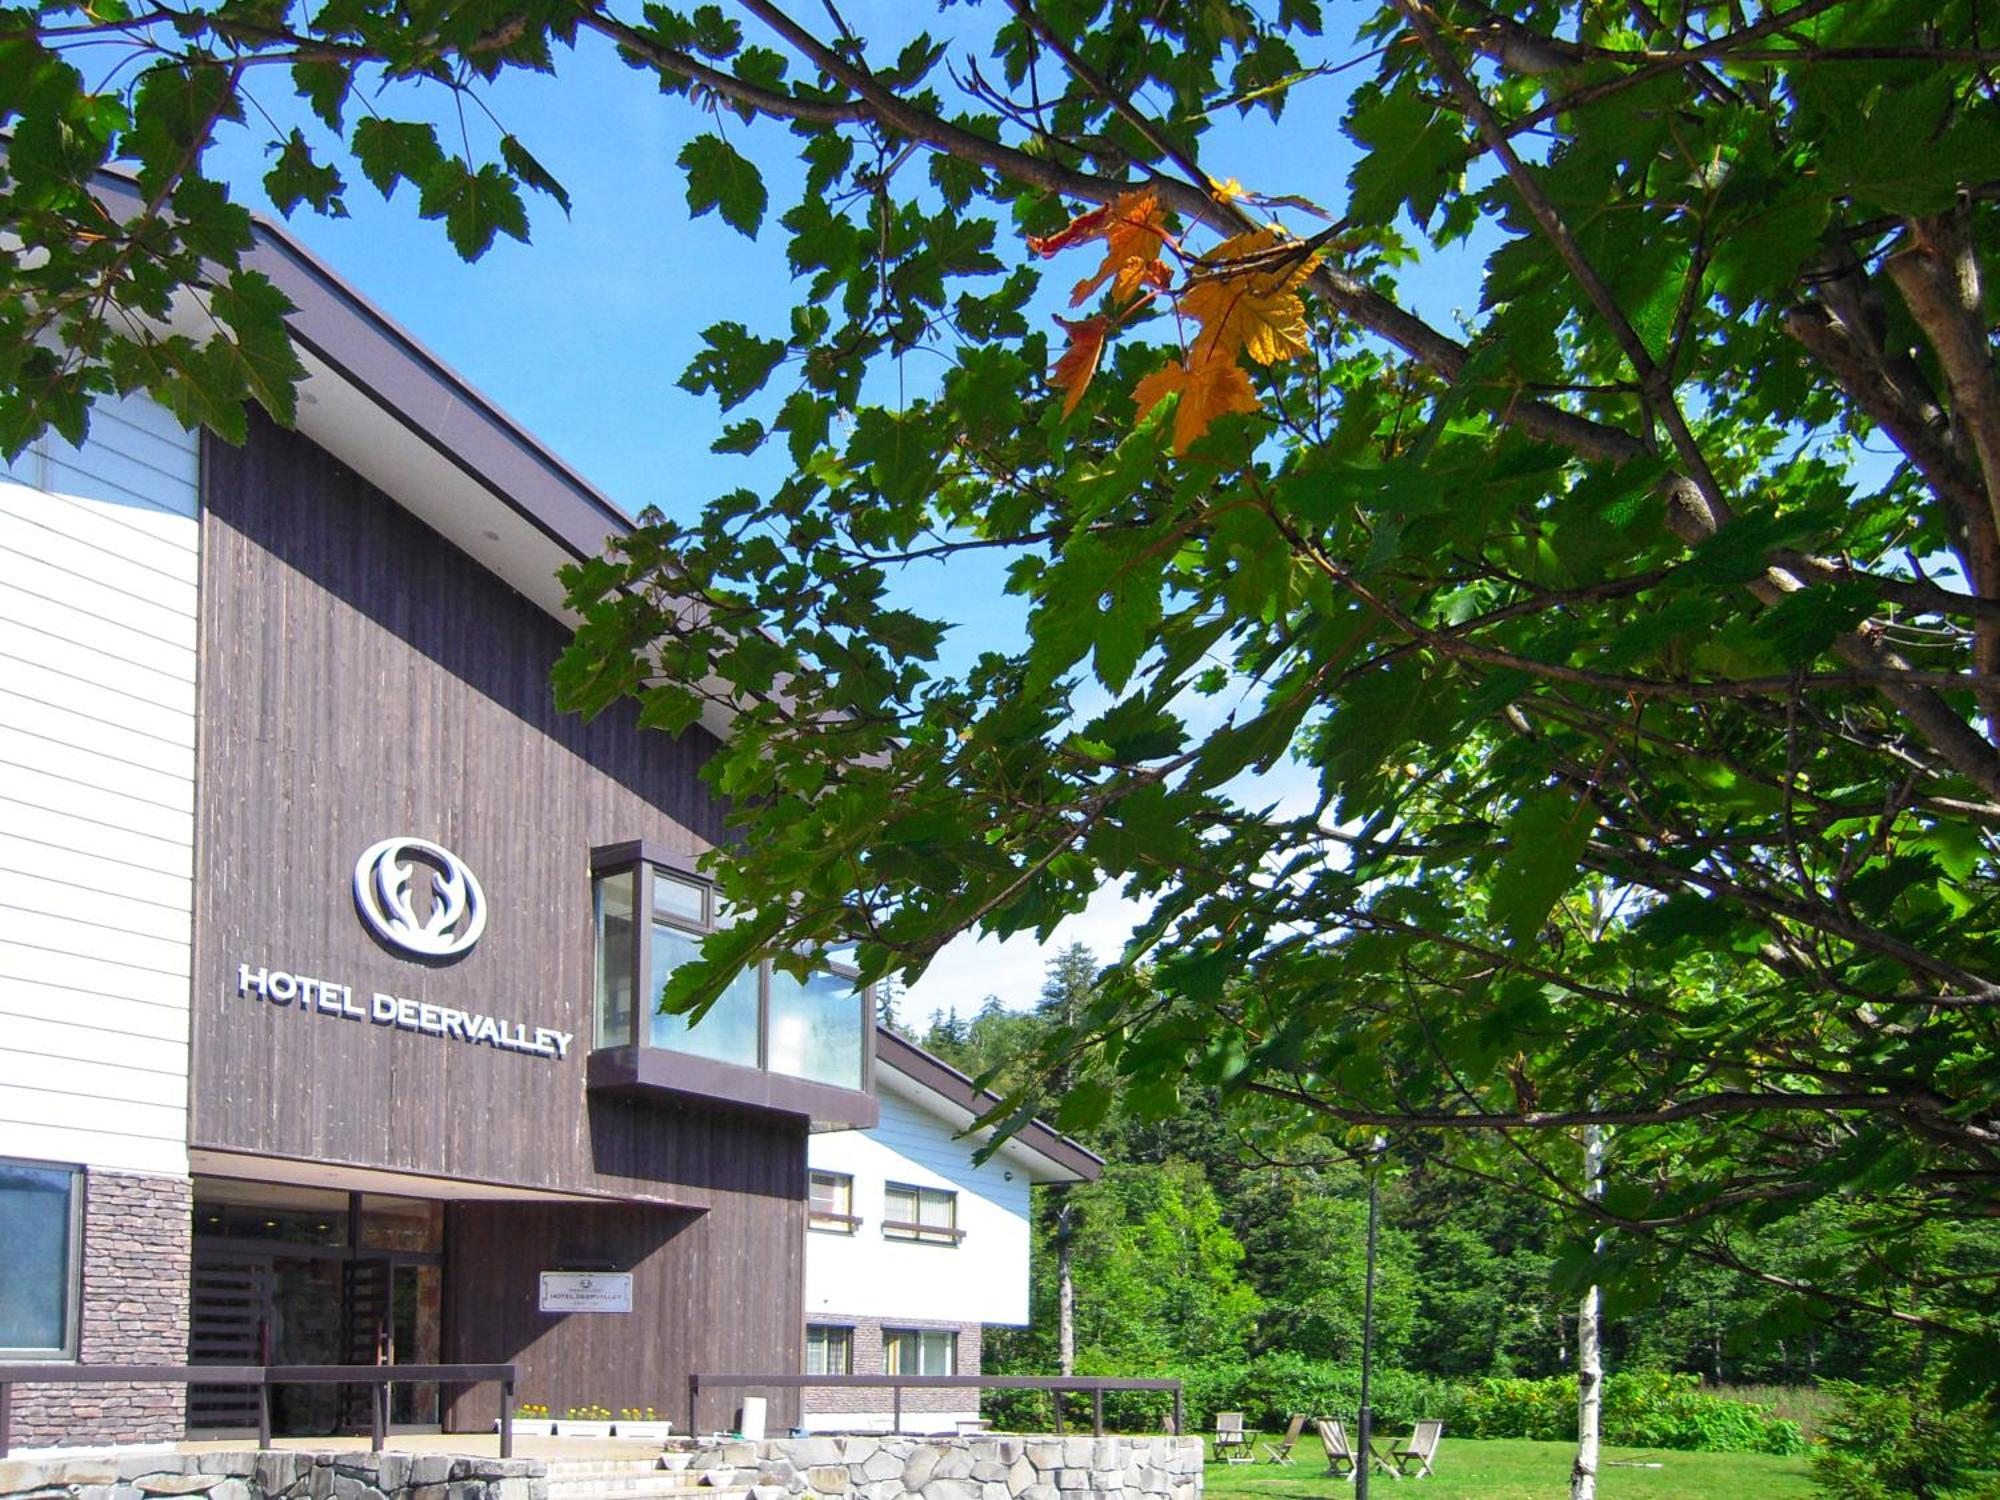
<point>638,1479</point>
<point>641,1489</point>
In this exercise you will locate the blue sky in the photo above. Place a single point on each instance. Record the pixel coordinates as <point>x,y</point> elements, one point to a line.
<point>582,335</point>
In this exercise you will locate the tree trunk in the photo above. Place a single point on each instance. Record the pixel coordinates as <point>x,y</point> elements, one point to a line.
<point>1065,1297</point>
<point>1589,1356</point>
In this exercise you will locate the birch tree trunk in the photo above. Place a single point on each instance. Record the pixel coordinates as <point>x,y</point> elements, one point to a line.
<point>1065,1296</point>
<point>1589,1354</point>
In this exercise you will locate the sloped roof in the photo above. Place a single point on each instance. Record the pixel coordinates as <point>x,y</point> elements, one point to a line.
<point>1054,1157</point>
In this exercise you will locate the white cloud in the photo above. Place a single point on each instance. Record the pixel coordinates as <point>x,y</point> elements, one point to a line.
<point>969,969</point>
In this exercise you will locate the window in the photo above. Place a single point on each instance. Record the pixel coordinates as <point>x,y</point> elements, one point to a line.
<point>652,915</point>
<point>920,1351</point>
<point>921,1213</point>
<point>41,1211</point>
<point>617,958</point>
<point>831,1205</point>
<point>829,1350</point>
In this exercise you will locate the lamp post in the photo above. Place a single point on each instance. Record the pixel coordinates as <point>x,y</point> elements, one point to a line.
<point>1365,1427</point>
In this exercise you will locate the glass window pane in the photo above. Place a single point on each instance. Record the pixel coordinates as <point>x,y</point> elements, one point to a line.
<point>816,1028</point>
<point>401,1224</point>
<point>728,1033</point>
<point>682,899</point>
<point>615,959</point>
<point>831,1193</point>
<point>940,1353</point>
<point>829,1351</point>
<point>35,1249</point>
<point>937,1210</point>
<point>900,1205</point>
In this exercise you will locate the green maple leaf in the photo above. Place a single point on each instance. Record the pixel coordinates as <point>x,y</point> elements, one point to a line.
<point>718,178</point>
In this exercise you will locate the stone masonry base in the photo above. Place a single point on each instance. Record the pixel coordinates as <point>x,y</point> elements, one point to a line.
<point>137,1238</point>
<point>273,1476</point>
<point>983,1467</point>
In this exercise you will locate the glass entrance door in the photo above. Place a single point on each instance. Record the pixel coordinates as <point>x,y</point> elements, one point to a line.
<point>300,1276</point>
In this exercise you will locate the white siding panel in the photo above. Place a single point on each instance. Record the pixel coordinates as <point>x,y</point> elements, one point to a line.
<point>30,1037</point>
<point>96,1148</point>
<point>67,558</point>
<point>120,742</point>
<point>30,583</point>
<point>99,579</point>
<point>101,668</point>
<point>68,579</point>
<point>86,835</point>
<point>163,541</point>
<point>164,643</point>
<point>92,1013</point>
<point>113,908</point>
<point>101,805</point>
<point>172,524</point>
<point>83,763</point>
<point>77,869</point>
<point>102,940</point>
<point>92,1079</point>
<point>86,976</point>
<point>109,1114</point>
<point>33,682</point>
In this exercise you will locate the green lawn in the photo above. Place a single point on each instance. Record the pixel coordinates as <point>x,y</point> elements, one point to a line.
<point>1511,1469</point>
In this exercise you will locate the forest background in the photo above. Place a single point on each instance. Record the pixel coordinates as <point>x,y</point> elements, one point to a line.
<point>1200,1255</point>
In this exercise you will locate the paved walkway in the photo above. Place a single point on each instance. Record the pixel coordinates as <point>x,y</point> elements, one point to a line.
<point>470,1444</point>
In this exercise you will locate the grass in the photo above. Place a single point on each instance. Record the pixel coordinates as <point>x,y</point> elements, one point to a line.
<point>1515,1469</point>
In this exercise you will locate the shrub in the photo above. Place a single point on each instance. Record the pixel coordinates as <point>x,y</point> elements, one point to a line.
<point>1644,1410</point>
<point>1806,1405</point>
<point>1900,1441</point>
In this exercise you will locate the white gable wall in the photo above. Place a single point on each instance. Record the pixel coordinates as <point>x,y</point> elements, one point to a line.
<point>982,1279</point>
<point>99,571</point>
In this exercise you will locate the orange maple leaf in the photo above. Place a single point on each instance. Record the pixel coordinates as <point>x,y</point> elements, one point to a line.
<point>1208,385</point>
<point>1072,373</point>
<point>1075,232</point>
<point>1245,297</point>
<point>1133,229</point>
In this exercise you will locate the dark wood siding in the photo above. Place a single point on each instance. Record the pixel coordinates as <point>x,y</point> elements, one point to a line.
<point>700,1300</point>
<point>362,678</point>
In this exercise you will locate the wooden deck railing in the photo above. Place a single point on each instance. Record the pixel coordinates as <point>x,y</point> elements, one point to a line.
<point>379,1377</point>
<point>1093,1385</point>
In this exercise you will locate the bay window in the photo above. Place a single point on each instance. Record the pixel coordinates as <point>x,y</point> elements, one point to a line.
<point>652,911</point>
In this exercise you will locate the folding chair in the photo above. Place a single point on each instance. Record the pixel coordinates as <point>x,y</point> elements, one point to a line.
<point>1281,1451</point>
<point>1422,1446</point>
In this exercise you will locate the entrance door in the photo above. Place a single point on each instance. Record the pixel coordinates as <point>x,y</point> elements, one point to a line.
<point>415,1322</point>
<point>364,1331</point>
<point>305,1276</point>
<point>229,1323</point>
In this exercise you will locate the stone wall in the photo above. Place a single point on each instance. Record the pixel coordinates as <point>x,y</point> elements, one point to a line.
<point>836,1406</point>
<point>982,1467</point>
<point>273,1476</point>
<point>137,1239</point>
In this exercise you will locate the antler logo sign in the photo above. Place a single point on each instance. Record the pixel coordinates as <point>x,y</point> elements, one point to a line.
<point>382,878</point>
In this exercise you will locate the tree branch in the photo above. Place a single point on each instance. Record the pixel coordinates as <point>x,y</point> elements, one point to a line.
<point>764,101</point>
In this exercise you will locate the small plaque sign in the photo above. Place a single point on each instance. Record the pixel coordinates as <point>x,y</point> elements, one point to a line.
<point>586,1291</point>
